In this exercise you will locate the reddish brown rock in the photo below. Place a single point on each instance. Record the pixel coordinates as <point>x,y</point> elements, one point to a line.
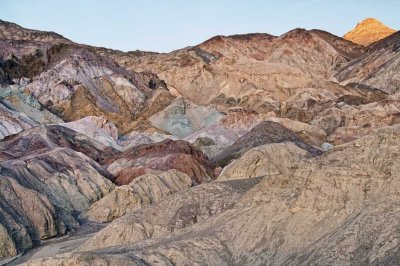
<point>164,155</point>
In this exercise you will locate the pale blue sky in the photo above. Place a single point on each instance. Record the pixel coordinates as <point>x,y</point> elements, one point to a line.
<point>165,25</point>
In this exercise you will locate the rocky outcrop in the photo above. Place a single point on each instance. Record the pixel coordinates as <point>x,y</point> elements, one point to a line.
<point>42,192</point>
<point>368,31</point>
<point>346,123</point>
<point>98,128</point>
<point>43,138</point>
<point>266,160</point>
<point>142,191</point>
<point>264,133</point>
<point>12,122</point>
<point>13,31</point>
<point>84,84</point>
<point>328,210</point>
<point>138,138</point>
<point>377,69</point>
<point>21,101</point>
<point>161,156</point>
<point>215,138</point>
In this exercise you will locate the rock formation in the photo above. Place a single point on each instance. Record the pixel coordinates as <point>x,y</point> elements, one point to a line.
<point>142,191</point>
<point>181,118</point>
<point>247,149</point>
<point>377,69</point>
<point>368,31</point>
<point>329,210</point>
<point>41,193</point>
<point>264,133</point>
<point>161,156</point>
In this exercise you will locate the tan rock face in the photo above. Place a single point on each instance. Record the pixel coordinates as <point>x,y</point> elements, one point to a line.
<point>179,211</point>
<point>267,160</point>
<point>7,246</point>
<point>368,31</point>
<point>352,122</point>
<point>142,191</point>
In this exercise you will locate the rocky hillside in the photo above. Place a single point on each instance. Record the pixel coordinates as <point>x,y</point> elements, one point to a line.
<point>247,149</point>
<point>377,69</point>
<point>368,31</point>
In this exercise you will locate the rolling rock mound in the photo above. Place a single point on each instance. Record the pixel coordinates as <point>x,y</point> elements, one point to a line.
<point>265,160</point>
<point>142,191</point>
<point>264,133</point>
<point>368,31</point>
<point>180,210</point>
<point>98,128</point>
<point>215,138</point>
<point>339,208</point>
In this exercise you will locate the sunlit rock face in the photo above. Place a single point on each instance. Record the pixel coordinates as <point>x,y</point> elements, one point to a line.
<point>368,31</point>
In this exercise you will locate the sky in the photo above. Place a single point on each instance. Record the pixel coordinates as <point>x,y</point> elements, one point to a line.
<point>166,25</point>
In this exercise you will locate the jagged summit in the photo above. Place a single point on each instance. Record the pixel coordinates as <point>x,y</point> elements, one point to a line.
<point>368,31</point>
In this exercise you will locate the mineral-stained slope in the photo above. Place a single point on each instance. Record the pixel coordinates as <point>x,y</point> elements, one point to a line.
<point>85,84</point>
<point>340,208</point>
<point>182,118</point>
<point>161,156</point>
<point>12,122</point>
<point>41,193</point>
